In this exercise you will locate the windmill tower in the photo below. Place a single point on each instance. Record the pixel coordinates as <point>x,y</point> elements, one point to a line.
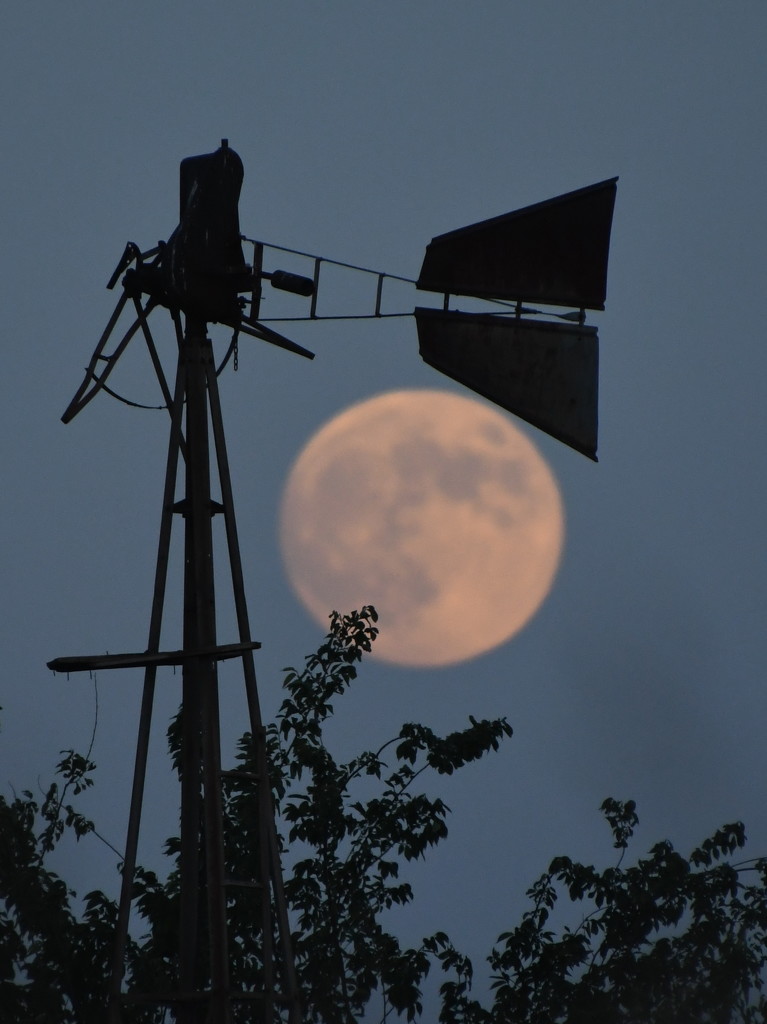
<point>198,274</point>
<point>544,370</point>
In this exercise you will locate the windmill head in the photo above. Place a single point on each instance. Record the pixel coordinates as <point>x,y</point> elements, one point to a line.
<point>554,253</point>
<point>201,268</point>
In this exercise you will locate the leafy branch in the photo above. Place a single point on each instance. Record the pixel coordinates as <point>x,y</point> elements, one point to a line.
<point>665,938</point>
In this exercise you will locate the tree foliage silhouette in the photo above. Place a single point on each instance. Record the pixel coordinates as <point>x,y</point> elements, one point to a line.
<point>667,938</point>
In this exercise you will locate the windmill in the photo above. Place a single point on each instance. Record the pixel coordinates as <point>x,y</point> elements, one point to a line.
<point>544,370</point>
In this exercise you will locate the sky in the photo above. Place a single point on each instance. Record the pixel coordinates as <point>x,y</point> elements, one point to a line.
<point>365,130</point>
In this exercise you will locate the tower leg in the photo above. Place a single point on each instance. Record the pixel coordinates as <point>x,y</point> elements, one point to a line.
<point>203,993</point>
<point>270,867</point>
<point>200,717</point>
<point>145,720</point>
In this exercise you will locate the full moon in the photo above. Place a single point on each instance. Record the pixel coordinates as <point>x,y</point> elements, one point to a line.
<point>433,507</point>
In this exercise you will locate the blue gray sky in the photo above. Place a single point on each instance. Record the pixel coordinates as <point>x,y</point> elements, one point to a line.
<point>366,129</point>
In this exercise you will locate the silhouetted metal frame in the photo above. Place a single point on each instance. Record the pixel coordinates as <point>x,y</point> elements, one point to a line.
<point>459,262</point>
<point>196,396</point>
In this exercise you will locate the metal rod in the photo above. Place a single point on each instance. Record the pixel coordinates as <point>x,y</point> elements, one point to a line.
<point>189,762</point>
<point>78,401</point>
<point>322,316</point>
<point>257,730</point>
<point>200,710</point>
<point>315,293</point>
<point>269,859</point>
<point>258,266</point>
<point>142,748</point>
<point>325,259</point>
<point>230,524</point>
<point>153,352</point>
<point>131,846</point>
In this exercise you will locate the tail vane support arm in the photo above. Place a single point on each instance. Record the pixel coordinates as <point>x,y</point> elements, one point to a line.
<point>256,329</point>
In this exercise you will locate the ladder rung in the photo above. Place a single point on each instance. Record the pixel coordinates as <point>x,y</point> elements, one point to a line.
<point>170,998</point>
<point>240,773</point>
<point>276,997</point>
<point>164,998</point>
<point>242,883</point>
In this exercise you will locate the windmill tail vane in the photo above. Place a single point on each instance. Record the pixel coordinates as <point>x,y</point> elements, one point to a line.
<point>543,370</point>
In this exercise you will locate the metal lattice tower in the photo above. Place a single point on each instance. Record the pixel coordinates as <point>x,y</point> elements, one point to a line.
<point>203,993</point>
<point>543,370</point>
<point>195,415</point>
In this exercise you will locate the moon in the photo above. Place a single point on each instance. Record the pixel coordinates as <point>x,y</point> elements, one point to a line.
<point>433,507</point>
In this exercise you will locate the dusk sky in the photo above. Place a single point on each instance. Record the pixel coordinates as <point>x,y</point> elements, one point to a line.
<point>365,130</point>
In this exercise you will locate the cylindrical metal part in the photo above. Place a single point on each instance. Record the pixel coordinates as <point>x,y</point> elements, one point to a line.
<point>295,283</point>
